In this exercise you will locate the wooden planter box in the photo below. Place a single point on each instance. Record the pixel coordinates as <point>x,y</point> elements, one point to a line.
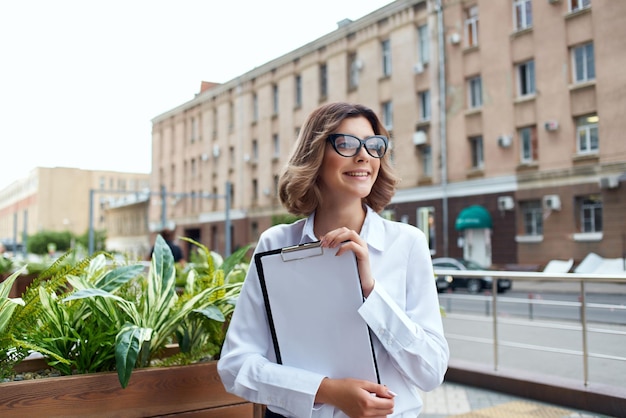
<point>190,391</point>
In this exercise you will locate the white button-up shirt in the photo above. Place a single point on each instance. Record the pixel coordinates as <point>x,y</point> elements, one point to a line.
<point>402,311</point>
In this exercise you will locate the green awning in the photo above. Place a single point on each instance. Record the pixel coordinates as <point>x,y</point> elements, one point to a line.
<point>473,217</point>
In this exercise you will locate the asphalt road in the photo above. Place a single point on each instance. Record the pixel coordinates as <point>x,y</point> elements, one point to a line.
<point>605,303</point>
<point>548,340</point>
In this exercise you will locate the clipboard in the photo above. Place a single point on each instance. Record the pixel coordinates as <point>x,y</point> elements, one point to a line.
<point>311,299</point>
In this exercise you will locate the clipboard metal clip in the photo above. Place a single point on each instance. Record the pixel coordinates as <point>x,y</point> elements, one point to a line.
<point>298,252</point>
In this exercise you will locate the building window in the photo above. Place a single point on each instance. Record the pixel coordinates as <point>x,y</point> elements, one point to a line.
<point>298,91</point>
<point>193,168</point>
<point>231,116</point>
<point>388,115</point>
<point>532,217</point>
<point>386,54</point>
<point>172,142</point>
<point>583,63</point>
<point>475,92</point>
<point>427,160</point>
<point>276,180</point>
<point>255,150</point>
<point>255,190</point>
<point>424,44</point>
<point>587,134</point>
<point>231,156</point>
<point>476,144</point>
<point>323,81</point>
<point>276,142</point>
<point>426,222</point>
<point>255,108</point>
<point>194,130</point>
<point>424,98</point>
<point>275,99</point>
<point>528,142</point>
<point>590,213</point>
<point>214,120</point>
<point>526,78</point>
<point>354,67</point>
<point>522,14</point>
<point>576,5</point>
<point>471,27</point>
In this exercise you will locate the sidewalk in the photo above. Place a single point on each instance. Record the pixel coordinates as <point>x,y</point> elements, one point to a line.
<point>459,401</point>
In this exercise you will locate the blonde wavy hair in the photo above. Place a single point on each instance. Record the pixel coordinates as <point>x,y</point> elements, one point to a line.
<point>298,187</point>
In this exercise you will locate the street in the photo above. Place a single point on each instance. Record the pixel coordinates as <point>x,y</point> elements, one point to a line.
<point>544,337</point>
<point>605,303</point>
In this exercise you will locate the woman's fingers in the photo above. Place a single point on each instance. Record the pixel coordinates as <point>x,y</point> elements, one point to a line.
<point>350,240</point>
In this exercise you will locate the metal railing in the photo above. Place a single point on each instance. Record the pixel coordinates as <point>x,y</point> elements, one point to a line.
<point>577,278</point>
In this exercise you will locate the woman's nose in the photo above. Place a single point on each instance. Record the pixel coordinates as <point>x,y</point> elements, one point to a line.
<point>362,155</point>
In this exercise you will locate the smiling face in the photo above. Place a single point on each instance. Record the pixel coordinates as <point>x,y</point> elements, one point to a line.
<point>349,179</point>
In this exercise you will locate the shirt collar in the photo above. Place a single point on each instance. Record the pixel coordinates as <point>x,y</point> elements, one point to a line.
<point>307,232</point>
<point>373,231</point>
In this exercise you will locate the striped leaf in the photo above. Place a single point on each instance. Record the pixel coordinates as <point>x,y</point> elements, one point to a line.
<point>128,343</point>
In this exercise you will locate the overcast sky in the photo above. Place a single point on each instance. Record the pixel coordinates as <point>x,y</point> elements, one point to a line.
<point>81,80</point>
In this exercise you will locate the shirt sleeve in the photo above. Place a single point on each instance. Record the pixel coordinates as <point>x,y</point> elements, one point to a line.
<point>412,336</point>
<point>247,363</point>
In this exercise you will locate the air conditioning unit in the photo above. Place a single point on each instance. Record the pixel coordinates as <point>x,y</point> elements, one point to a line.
<point>552,202</point>
<point>554,1</point>
<point>205,157</point>
<point>420,138</point>
<point>551,125</point>
<point>358,65</point>
<point>505,141</point>
<point>609,182</point>
<point>216,151</point>
<point>455,39</point>
<point>418,68</point>
<point>246,158</point>
<point>506,203</point>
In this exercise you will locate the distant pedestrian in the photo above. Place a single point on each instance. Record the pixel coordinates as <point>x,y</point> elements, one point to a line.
<point>177,252</point>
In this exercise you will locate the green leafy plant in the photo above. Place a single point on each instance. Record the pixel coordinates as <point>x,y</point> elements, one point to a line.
<point>14,344</point>
<point>91,314</point>
<point>202,332</point>
<point>83,332</point>
<point>8,355</point>
<point>6,264</point>
<point>285,218</point>
<point>156,314</point>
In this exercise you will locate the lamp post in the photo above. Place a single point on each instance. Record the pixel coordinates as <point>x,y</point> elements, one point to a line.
<point>442,122</point>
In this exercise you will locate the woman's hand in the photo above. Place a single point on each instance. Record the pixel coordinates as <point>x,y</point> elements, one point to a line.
<point>356,398</point>
<point>349,239</point>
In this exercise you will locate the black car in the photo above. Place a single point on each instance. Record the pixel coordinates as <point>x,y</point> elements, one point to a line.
<point>472,284</point>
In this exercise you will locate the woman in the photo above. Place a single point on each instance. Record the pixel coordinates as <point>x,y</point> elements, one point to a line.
<point>339,177</point>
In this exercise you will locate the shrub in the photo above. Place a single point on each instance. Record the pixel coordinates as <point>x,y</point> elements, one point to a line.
<point>91,315</point>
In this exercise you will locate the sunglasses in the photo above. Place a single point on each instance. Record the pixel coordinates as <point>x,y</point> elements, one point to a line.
<point>349,145</point>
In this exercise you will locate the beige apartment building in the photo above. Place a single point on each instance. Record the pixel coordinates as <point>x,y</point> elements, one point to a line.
<point>506,118</point>
<point>59,199</point>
